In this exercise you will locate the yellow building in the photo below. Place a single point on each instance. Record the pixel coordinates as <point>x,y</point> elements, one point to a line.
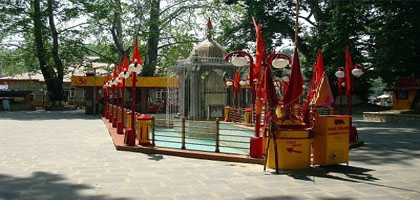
<point>151,92</point>
<point>406,94</point>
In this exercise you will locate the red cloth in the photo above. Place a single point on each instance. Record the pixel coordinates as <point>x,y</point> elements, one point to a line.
<point>319,67</point>
<point>284,85</point>
<point>269,92</point>
<point>136,53</point>
<point>236,82</point>
<point>120,67</point>
<point>349,77</point>
<point>317,72</point>
<point>294,90</point>
<point>259,56</point>
<point>209,25</point>
<point>126,63</point>
<point>114,72</point>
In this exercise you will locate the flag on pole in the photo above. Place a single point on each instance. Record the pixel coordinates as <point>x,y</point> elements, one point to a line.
<point>319,67</point>
<point>259,56</point>
<point>120,67</point>
<point>126,63</point>
<point>319,93</point>
<point>114,72</point>
<point>322,94</point>
<point>349,77</point>
<point>236,82</point>
<point>269,92</point>
<point>136,53</point>
<point>209,25</point>
<point>294,89</point>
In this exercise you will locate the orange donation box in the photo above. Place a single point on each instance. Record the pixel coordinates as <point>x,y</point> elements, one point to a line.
<point>331,142</point>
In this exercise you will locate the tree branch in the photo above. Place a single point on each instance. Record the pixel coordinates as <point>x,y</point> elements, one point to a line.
<point>71,27</point>
<point>177,42</point>
<point>308,19</point>
<point>111,60</point>
<point>171,6</point>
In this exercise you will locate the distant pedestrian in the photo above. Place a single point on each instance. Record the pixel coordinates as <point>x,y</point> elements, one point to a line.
<point>6,104</point>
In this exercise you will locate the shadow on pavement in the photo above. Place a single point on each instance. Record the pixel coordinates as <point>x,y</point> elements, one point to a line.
<point>42,185</point>
<point>155,157</point>
<point>352,174</point>
<point>295,198</point>
<point>46,115</point>
<point>277,197</point>
<point>387,143</point>
<point>335,172</point>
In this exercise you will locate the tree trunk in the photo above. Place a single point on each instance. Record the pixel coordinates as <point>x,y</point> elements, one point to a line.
<point>116,30</point>
<point>50,78</point>
<point>56,56</point>
<point>153,39</point>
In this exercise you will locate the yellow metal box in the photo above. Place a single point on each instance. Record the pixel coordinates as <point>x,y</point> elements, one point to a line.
<point>331,141</point>
<point>293,149</point>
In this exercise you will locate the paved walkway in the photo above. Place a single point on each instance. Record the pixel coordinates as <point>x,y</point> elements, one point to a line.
<point>67,155</point>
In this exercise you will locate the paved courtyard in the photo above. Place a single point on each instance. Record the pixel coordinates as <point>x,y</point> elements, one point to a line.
<point>67,155</point>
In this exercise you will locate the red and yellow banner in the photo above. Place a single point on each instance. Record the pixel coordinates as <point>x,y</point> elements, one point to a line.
<point>98,81</point>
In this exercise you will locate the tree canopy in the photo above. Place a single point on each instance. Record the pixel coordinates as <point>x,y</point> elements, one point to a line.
<point>50,35</point>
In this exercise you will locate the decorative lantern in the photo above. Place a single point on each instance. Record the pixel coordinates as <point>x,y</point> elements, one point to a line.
<point>124,74</point>
<point>280,63</point>
<point>358,70</point>
<point>340,72</point>
<point>239,61</point>
<point>229,83</point>
<point>136,69</point>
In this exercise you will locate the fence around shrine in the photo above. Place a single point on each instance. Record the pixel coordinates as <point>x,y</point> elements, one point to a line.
<point>212,136</point>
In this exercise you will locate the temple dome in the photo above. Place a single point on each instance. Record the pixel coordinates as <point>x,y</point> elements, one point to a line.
<point>209,48</point>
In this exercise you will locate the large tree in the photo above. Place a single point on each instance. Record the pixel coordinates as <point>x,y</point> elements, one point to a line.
<point>29,28</point>
<point>395,32</point>
<point>159,28</point>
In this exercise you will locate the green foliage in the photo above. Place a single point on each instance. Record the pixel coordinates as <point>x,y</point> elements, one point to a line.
<point>395,31</point>
<point>384,36</point>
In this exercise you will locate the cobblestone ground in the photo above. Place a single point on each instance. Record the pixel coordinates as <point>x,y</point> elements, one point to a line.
<point>67,155</point>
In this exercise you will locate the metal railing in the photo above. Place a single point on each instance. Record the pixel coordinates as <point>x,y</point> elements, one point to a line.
<point>201,135</point>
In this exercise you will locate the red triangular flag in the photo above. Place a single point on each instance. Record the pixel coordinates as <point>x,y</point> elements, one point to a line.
<point>120,67</point>
<point>294,90</point>
<point>319,67</point>
<point>114,72</point>
<point>236,82</point>
<point>126,63</point>
<point>136,53</point>
<point>259,55</point>
<point>317,72</point>
<point>269,92</point>
<point>209,25</point>
<point>349,77</point>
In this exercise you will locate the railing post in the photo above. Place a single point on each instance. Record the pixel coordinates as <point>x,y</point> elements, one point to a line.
<point>217,135</point>
<point>153,131</point>
<point>183,132</point>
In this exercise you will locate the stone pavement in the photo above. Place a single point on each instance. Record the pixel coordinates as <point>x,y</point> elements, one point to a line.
<point>67,155</point>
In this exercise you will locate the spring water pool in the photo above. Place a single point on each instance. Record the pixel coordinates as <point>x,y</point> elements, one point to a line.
<point>232,139</point>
